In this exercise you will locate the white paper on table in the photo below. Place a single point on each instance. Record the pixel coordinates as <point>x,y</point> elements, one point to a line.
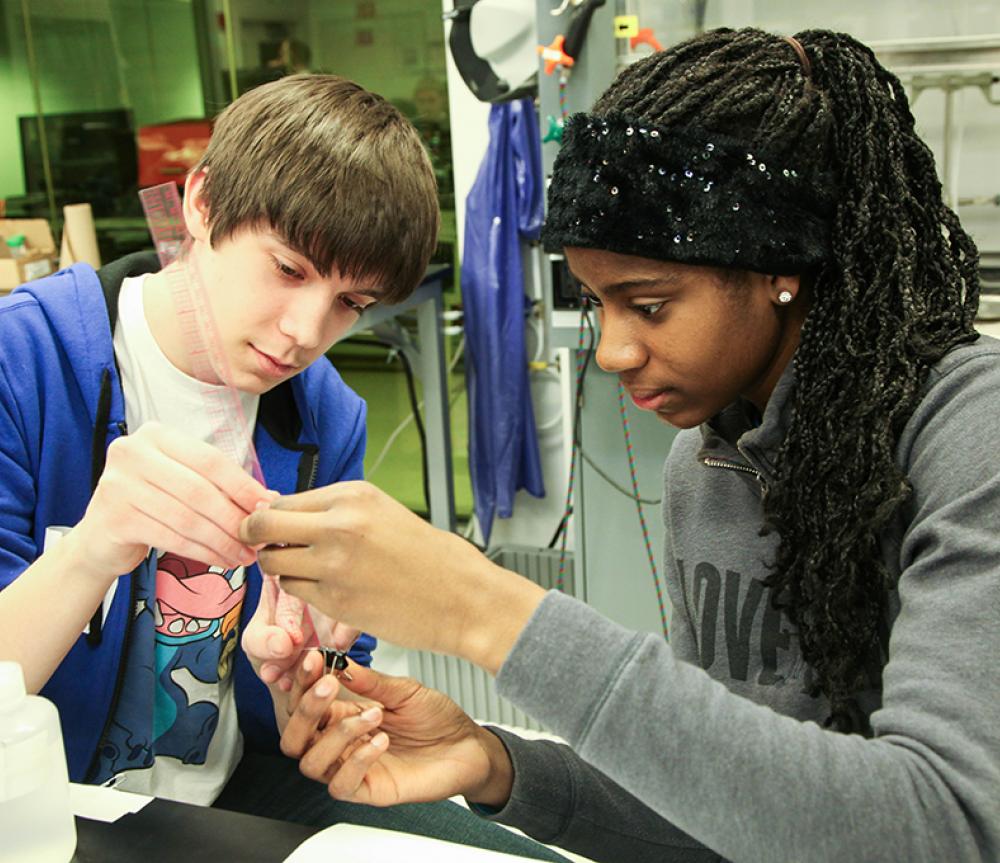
<point>104,804</point>
<point>352,841</point>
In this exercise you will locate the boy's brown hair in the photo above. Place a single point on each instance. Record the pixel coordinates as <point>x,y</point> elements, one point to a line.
<point>335,170</point>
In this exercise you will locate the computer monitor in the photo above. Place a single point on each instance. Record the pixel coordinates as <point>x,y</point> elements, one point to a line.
<point>93,159</point>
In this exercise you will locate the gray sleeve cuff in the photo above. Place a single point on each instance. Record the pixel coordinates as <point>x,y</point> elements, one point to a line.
<point>542,793</point>
<point>560,800</point>
<point>548,657</point>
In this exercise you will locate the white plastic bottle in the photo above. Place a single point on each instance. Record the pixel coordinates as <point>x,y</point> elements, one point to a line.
<point>36,821</point>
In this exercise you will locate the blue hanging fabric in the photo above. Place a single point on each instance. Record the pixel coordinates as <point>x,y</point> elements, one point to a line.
<point>504,206</point>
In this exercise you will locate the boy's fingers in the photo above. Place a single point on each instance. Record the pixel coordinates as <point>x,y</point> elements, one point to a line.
<point>199,492</point>
<point>344,636</point>
<point>157,535</point>
<point>308,590</point>
<point>331,633</point>
<point>277,611</point>
<point>270,672</point>
<point>265,642</point>
<point>289,614</point>
<point>207,461</point>
<point>268,597</point>
<point>190,526</point>
<point>309,671</point>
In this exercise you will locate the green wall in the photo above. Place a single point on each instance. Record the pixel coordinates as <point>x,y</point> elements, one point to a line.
<point>15,99</point>
<point>95,55</point>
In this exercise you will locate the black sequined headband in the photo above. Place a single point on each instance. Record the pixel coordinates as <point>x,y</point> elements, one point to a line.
<point>627,186</point>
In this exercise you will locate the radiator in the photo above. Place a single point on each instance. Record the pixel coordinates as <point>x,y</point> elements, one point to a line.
<point>471,687</point>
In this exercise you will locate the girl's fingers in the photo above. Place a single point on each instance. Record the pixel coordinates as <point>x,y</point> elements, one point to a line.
<point>338,736</point>
<point>316,709</point>
<point>349,778</point>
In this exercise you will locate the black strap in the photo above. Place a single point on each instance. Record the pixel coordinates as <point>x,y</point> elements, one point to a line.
<point>578,26</point>
<point>111,277</point>
<point>98,457</point>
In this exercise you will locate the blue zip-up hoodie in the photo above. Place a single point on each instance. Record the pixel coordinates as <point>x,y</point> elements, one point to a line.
<point>61,405</point>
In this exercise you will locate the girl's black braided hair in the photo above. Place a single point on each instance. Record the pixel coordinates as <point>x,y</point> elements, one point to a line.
<point>899,289</point>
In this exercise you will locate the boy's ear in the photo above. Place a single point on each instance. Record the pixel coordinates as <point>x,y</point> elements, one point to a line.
<point>195,206</point>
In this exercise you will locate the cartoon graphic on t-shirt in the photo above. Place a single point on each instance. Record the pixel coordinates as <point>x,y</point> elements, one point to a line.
<point>192,612</point>
<point>181,648</point>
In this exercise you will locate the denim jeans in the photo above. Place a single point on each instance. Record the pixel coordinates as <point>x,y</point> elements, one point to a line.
<point>271,786</point>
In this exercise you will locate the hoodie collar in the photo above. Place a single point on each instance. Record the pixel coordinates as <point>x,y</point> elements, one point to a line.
<point>112,275</point>
<point>735,433</point>
<point>79,310</point>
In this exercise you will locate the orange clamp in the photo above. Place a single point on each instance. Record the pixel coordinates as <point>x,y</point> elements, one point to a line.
<point>553,55</point>
<point>645,36</point>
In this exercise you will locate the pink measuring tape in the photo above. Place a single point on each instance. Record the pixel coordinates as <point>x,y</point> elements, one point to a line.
<point>234,435</point>
<point>162,205</point>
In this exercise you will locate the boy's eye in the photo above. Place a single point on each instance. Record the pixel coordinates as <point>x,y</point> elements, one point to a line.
<point>589,300</point>
<point>354,305</point>
<point>285,270</point>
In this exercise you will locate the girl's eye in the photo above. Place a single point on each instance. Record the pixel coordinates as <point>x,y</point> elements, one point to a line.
<point>590,301</point>
<point>648,310</point>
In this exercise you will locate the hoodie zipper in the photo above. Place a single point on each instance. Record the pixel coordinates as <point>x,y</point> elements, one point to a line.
<point>708,461</point>
<point>313,470</point>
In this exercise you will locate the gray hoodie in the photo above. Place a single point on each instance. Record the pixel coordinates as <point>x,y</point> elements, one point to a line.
<point>715,733</point>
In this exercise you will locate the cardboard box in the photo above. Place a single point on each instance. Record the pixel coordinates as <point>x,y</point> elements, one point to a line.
<point>41,259</point>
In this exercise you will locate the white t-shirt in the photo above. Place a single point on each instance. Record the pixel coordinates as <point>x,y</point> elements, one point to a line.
<point>194,743</point>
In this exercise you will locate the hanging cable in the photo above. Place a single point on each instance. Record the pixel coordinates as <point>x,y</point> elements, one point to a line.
<point>638,506</point>
<point>582,363</point>
<point>615,485</point>
<point>411,390</point>
<point>396,432</point>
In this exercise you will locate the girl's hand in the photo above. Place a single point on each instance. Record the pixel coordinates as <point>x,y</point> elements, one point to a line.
<point>399,743</point>
<point>352,551</point>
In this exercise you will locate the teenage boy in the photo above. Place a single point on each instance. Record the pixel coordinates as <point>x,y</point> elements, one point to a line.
<point>314,200</point>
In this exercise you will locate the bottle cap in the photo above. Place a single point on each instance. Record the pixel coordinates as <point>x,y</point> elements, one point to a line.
<point>11,684</point>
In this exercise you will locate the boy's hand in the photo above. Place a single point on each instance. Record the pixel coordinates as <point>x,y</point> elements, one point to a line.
<point>402,743</point>
<point>162,488</point>
<point>282,627</point>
